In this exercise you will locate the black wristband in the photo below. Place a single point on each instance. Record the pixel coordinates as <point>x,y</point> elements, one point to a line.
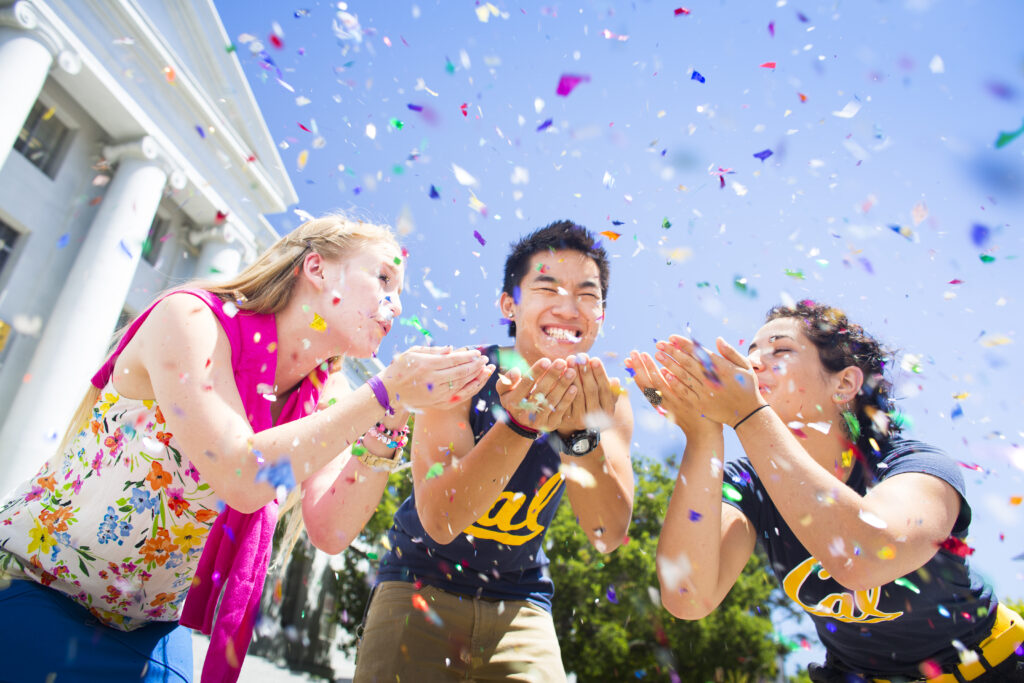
<point>750,415</point>
<point>519,429</point>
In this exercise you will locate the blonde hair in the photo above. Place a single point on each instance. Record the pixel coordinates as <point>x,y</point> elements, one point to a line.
<point>266,285</point>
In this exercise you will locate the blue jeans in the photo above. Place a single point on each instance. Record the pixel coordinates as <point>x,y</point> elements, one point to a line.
<point>43,633</point>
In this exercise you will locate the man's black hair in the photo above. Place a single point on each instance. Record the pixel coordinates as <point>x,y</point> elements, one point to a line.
<point>559,235</point>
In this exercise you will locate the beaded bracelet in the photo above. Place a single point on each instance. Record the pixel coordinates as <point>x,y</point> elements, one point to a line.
<point>392,438</point>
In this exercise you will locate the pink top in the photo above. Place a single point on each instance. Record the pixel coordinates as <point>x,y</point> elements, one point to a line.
<point>163,503</point>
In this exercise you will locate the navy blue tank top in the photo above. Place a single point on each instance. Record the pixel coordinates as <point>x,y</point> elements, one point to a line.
<point>500,556</point>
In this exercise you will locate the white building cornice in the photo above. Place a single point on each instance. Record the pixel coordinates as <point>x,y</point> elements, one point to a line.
<point>25,16</point>
<point>143,87</point>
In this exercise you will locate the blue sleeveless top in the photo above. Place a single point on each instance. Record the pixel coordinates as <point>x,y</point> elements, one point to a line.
<point>500,556</point>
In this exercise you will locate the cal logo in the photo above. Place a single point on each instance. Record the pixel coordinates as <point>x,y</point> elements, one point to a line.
<point>859,607</point>
<point>497,524</point>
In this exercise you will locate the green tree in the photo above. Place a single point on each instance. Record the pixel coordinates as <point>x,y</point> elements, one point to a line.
<point>608,612</point>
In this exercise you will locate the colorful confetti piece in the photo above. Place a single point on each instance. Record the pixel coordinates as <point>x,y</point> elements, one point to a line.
<point>568,82</point>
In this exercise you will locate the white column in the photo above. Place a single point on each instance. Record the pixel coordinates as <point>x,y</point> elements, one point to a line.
<point>27,49</point>
<point>78,331</point>
<point>220,252</point>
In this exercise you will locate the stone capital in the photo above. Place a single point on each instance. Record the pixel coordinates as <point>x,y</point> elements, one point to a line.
<point>148,149</point>
<point>23,15</point>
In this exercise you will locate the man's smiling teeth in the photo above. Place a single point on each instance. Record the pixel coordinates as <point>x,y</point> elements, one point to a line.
<point>562,334</point>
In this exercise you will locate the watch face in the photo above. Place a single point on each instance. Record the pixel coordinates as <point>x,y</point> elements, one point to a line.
<point>581,446</point>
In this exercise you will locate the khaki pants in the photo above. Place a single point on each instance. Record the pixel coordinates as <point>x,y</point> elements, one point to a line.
<point>458,639</point>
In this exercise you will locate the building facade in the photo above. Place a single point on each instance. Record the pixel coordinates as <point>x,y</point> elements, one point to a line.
<point>133,157</point>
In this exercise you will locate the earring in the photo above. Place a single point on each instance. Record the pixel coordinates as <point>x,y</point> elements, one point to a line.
<point>839,397</point>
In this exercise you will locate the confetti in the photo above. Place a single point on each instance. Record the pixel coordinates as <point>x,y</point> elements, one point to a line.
<point>318,324</point>
<point>666,223</point>
<point>763,154</point>
<point>681,11</point>
<point>277,475</point>
<point>980,234</point>
<point>435,470</point>
<point>545,125</point>
<point>872,520</point>
<point>614,36</point>
<point>415,322</point>
<point>771,28</point>
<point>796,274</point>
<point>729,492</point>
<point>611,235</point>
<point>768,65</point>
<point>849,111</point>
<point>1006,138</point>
<point>479,237</point>
<point>992,340</point>
<point>610,594</point>
<point>169,74</point>
<point>957,547</point>
<point>903,231</point>
<point>434,194</point>
<point>568,82</point>
<point>485,12</point>
<point>63,240</point>
<point>903,581</point>
<point>415,107</point>
<point>987,258</point>
<point>695,516</point>
<point>303,159</point>
<point>696,76</point>
<point>463,177</point>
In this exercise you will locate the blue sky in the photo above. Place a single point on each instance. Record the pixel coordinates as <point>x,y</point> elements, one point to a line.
<point>884,192</point>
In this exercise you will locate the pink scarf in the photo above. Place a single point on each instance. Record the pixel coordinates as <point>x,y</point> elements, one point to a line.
<point>237,550</point>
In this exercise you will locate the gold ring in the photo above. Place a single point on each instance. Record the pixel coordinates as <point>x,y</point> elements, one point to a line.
<point>653,396</point>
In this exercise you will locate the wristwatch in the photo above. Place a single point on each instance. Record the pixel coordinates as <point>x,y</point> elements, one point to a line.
<point>582,442</point>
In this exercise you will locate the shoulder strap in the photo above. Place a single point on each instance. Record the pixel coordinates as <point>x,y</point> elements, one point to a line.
<point>102,376</point>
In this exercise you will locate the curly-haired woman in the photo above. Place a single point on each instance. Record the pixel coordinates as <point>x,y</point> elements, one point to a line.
<point>863,530</point>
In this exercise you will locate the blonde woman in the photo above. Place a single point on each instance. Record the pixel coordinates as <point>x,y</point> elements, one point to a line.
<point>165,486</point>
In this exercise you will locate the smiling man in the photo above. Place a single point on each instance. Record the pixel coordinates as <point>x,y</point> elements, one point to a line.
<point>464,591</point>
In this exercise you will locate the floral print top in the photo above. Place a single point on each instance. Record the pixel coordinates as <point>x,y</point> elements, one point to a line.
<point>129,559</point>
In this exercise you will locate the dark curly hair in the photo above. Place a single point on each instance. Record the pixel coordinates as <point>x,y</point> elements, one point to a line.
<point>840,344</point>
<point>558,235</point>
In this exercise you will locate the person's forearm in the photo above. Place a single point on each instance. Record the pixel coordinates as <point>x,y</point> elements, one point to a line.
<point>689,549</point>
<point>807,496</point>
<point>307,444</point>
<point>601,496</point>
<point>336,512</point>
<point>466,489</point>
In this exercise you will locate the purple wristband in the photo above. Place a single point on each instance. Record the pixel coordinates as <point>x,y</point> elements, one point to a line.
<point>381,392</point>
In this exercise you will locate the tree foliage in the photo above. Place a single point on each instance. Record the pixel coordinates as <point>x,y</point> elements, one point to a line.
<point>608,612</point>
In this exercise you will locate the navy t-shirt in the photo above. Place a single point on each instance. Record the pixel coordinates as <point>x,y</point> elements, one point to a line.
<point>891,629</point>
<point>500,556</point>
